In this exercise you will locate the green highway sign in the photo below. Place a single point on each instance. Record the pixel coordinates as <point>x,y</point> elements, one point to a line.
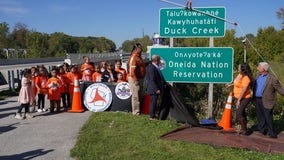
<point>187,23</point>
<point>196,65</point>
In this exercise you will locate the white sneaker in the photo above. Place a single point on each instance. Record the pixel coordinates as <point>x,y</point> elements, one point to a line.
<point>44,110</point>
<point>18,116</point>
<point>39,110</point>
<point>28,115</point>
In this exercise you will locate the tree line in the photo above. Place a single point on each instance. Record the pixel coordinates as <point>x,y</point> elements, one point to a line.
<point>32,44</point>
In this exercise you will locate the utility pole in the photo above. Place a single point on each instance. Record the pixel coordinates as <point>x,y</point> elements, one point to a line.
<point>245,50</point>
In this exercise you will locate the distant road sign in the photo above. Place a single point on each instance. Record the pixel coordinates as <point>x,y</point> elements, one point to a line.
<point>186,23</point>
<point>196,65</point>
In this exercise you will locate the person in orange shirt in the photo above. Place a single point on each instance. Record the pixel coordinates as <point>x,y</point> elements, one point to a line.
<point>121,70</point>
<point>242,85</point>
<point>34,71</point>
<point>87,69</point>
<point>136,74</point>
<point>41,88</point>
<point>97,75</point>
<point>64,88</point>
<point>53,84</point>
<point>71,77</point>
<point>120,78</point>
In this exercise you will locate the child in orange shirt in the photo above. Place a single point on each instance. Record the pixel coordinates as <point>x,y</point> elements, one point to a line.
<point>97,75</point>
<point>41,88</point>
<point>120,78</point>
<point>71,77</point>
<point>87,69</point>
<point>64,88</point>
<point>121,70</point>
<point>53,84</point>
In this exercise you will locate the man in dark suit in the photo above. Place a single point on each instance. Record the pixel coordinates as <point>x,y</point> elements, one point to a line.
<point>155,83</point>
<point>265,89</point>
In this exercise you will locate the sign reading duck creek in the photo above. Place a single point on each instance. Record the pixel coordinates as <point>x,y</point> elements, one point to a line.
<point>196,65</point>
<point>187,23</point>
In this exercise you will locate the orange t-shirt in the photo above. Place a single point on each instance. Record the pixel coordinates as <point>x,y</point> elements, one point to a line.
<point>64,81</point>
<point>40,82</point>
<point>87,70</point>
<point>239,83</point>
<point>53,84</point>
<point>97,77</point>
<point>123,72</point>
<point>71,78</point>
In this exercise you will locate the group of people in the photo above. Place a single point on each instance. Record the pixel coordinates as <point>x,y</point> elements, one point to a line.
<point>261,90</point>
<point>264,88</point>
<point>155,82</point>
<point>58,84</point>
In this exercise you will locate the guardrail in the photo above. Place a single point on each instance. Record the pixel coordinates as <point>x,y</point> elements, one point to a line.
<point>13,79</point>
<point>5,62</point>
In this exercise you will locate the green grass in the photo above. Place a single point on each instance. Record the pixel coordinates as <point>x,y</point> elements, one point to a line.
<point>119,135</point>
<point>7,93</point>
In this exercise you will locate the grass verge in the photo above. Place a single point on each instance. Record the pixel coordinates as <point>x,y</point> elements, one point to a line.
<point>119,135</point>
<point>7,93</point>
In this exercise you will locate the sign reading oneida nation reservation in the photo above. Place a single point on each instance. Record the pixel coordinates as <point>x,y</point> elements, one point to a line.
<point>187,23</point>
<point>196,65</point>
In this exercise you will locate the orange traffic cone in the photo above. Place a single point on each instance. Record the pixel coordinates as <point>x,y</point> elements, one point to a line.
<point>227,114</point>
<point>76,100</point>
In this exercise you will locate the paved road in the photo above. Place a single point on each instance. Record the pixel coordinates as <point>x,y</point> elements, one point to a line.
<point>46,136</point>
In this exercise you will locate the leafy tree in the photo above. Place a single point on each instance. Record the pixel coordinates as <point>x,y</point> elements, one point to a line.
<point>267,43</point>
<point>60,44</point>
<point>4,32</point>
<point>18,36</point>
<point>280,15</point>
<point>37,44</point>
<point>144,41</point>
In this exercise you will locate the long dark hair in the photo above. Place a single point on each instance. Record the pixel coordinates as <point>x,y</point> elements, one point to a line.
<point>246,70</point>
<point>135,46</point>
<point>26,71</point>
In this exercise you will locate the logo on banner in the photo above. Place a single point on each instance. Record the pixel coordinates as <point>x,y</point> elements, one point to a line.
<point>122,90</point>
<point>97,97</point>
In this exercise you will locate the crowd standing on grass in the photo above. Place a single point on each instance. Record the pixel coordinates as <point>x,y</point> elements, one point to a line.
<point>58,84</point>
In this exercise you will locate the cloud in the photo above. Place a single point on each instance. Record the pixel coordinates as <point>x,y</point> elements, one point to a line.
<point>61,8</point>
<point>12,10</point>
<point>12,7</point>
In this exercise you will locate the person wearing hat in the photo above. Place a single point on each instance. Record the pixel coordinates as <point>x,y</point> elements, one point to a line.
<point>265,89</point>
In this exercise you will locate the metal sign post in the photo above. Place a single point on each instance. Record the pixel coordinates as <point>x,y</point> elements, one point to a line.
<point>210,92</point>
